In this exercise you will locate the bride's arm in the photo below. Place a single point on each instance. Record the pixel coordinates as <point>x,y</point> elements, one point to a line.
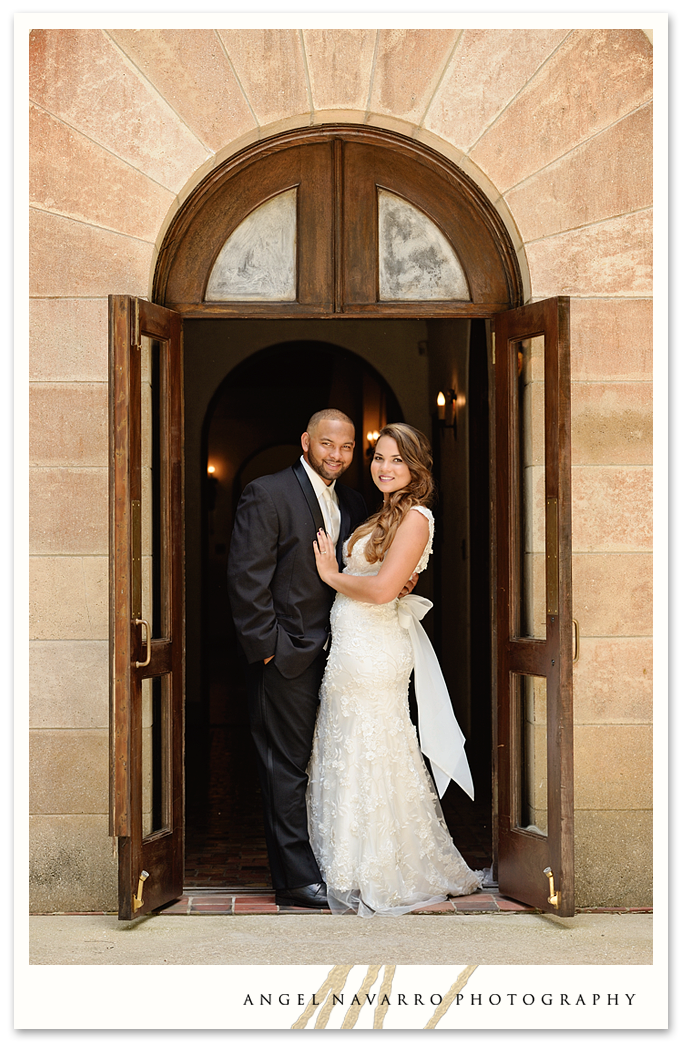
<point>402,558</point>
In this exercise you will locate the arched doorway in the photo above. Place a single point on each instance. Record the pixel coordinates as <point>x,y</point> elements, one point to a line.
<point>326,229</point>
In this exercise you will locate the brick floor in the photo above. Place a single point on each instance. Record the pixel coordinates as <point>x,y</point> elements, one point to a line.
<point>243,901</point>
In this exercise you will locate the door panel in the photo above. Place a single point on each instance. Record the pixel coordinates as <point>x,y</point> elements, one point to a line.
<point>534,606</point>
<point>146,601</point>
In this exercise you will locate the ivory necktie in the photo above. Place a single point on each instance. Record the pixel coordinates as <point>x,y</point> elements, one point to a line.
<point>331,518</point>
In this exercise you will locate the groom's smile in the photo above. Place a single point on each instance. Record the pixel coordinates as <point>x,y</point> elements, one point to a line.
<point>329,448</point>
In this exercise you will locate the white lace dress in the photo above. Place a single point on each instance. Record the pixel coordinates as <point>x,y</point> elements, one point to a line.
<point>375,822</point>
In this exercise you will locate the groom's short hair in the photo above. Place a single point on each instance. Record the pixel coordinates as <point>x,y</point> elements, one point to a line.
<point>327,413</point>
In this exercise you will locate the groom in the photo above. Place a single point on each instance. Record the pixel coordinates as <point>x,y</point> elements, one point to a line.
<point>281,610</point>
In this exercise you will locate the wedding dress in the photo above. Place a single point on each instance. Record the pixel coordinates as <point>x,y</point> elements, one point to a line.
<point>375,822</point>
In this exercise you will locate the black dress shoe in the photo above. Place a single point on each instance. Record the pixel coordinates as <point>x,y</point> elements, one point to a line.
<point>312,896</point>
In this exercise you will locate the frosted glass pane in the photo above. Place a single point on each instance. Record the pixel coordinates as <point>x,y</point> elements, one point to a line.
<point>417,262</point>
<point>258,261</point>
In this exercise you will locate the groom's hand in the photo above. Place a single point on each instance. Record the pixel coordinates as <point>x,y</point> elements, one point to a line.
<point>409,585</point>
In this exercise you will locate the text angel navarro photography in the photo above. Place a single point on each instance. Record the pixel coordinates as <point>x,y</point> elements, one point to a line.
<point>436,998</point>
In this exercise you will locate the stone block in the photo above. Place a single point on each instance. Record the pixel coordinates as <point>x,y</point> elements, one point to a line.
<point>403,127</point>
<point>609,175</point>
<point>611,339</point>
<point>339,65</point>
<point>68,685</point>
<point>612,423</point>
<point>269,65</point>
<point>70,259</point>
<point>68,340</point>
<point>339,116</point>
<point>613,681</point>
<point>68,771</point>
<point>613,594</point>
<point>593,79</point>
<point>68,424</point>
<point>74,176</point>
<point>68,510</point>
<point>408,66</point>
<point>190,69</point>
<point>71,864</point>
<point>612,508</point>
<point>487,70</point>
<point>610,258</point>
<point>68,598</point>
<point>613,767</point>
<point>84,78</point>
<point>613,859</point>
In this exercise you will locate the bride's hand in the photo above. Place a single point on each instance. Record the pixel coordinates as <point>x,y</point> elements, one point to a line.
<point>325,556</point>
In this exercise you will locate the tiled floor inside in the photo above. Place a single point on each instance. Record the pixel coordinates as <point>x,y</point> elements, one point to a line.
<point>248,902</point>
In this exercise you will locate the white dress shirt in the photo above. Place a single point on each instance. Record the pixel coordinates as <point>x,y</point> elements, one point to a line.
<point>327,499</point>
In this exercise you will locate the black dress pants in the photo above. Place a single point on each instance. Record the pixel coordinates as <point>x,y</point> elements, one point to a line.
<point>282,722</point>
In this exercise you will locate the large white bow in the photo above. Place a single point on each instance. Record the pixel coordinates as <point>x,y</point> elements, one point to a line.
<point>441,739</point>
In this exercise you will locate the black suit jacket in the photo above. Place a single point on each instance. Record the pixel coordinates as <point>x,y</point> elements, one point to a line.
<point>280,606</point>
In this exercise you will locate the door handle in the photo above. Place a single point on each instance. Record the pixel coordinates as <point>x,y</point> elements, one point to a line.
<point>146,662</point>
<point>576,641</point>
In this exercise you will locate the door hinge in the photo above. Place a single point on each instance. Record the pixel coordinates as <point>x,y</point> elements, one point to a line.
<point>551,552</point>
<point>136,335</point>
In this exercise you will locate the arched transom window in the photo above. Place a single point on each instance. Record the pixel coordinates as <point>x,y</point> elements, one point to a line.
<point>340,220</point>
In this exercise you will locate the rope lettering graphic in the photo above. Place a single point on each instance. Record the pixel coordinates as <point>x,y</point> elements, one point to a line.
<point>331,991</point>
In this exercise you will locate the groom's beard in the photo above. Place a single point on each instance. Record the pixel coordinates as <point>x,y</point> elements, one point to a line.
<point>321,470</point>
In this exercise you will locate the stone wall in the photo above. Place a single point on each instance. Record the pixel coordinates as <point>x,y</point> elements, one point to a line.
<point>555,126</point>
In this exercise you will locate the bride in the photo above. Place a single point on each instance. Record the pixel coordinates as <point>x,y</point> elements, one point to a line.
<point>374,817</point>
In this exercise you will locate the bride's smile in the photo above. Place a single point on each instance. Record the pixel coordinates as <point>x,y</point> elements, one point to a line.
<point>389,472</point>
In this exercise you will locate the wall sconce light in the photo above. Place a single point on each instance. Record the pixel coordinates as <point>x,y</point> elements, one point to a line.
<point>211,469</point>
<point>372,437</point>
<point>447,410</point>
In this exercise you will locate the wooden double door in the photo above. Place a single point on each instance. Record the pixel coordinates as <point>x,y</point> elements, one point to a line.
<point>531,687</point>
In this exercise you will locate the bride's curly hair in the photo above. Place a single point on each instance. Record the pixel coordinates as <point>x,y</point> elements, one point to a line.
<point>416,453</point>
